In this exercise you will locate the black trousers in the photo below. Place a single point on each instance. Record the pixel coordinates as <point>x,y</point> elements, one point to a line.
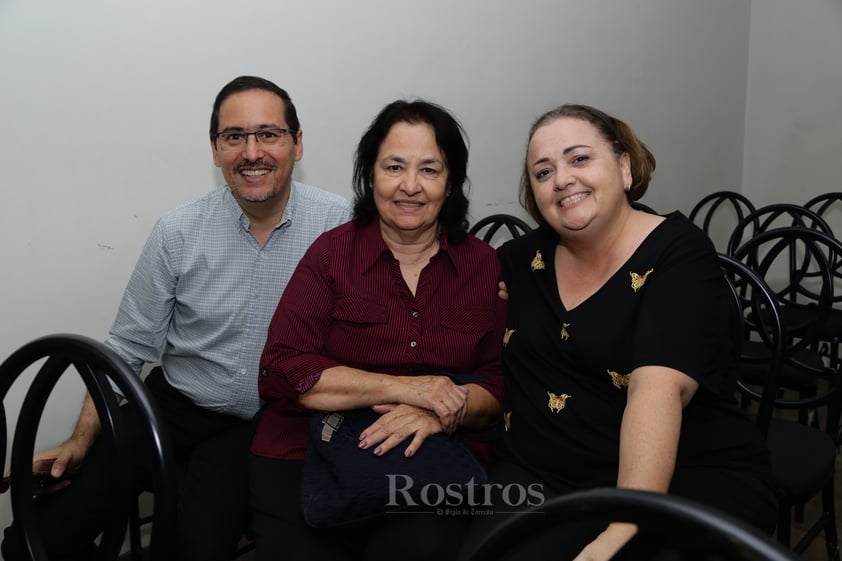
<point>211,451</point>
<point>282,533</point>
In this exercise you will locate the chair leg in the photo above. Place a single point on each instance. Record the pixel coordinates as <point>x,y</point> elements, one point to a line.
<point>135,545</point>
<point>829,512</point>
<point>784,530</point>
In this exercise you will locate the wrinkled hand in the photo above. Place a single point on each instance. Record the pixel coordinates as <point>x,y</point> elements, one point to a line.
<point>608,543</point>
<point>440,395</point>
<point>396,424</point>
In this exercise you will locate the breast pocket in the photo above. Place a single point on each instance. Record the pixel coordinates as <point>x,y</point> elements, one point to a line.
<point>360,311</point>
<point>359,328</point>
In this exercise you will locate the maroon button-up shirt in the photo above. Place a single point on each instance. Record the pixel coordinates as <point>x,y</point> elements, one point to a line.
<point>347,304</point>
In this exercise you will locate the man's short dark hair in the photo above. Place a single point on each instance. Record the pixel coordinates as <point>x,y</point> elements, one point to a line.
<point>245,83</point>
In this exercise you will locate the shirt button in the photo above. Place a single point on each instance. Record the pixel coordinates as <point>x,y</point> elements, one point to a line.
<point>413,344</point>
<point>415,314</point>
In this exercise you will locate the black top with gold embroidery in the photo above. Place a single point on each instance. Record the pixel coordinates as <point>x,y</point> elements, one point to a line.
<point>567,370</point>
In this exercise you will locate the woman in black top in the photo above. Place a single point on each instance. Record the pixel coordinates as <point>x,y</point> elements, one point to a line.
<point>617,342</point>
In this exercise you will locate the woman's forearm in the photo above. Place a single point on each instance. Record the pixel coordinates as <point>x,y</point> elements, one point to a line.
<point>340,388</point>
<point>483,408</point>
<point>651,426</point>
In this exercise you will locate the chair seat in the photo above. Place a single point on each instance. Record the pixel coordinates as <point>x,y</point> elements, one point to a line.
<point>804,315</point>
<point>755,365</point>
<point>802,457</point>
<point>833,326</point>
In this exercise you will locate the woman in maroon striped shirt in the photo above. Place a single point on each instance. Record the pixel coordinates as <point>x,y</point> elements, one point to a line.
<point>376,307</point>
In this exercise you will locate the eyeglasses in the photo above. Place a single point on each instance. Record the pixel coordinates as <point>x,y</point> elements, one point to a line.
<point>237,140</point>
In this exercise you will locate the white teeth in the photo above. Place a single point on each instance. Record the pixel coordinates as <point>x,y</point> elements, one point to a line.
<point>409,204</point>
<point>573,198</point>
<point>254,172</point>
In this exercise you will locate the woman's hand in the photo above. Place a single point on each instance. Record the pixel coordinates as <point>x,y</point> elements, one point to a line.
<point>396,424</point>
<point>503,291</point>
<point>440,395</point>
<point>608,543</point>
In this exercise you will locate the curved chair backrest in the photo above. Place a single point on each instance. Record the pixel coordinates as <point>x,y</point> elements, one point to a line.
<point>805,293</point>
<point>803,454</point>
<point>707,207</point>
<point>679,524</point>
<point>825,204</point>
<point>778,215</point>
<point>97,365</point>
<point>717,214</point>
<point>757,315</point>
<point>829,207</point>
<point>489,226</point>
<point>637,205</point>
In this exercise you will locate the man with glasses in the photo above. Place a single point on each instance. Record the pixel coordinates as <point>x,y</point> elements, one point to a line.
<point>200,300</point>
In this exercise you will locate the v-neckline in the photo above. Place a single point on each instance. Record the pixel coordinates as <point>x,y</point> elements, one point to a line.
<point>624,264</point>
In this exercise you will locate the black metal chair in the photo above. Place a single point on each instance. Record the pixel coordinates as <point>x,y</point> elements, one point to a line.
<point>829,207</point>
<point>488,228</point>
<point>719,212</point>
<point>637,205</point>
<point>804,452</point>
<point>97,365</point>
<point>675,524</point>
<point>826,205</point>
<point>778,215</point>
<point>757,317</point>
<point>796,290</point>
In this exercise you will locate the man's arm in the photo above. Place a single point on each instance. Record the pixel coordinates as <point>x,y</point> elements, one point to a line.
<point>69,456</point>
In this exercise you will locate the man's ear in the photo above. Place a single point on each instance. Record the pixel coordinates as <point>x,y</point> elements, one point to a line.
<point>299,145</point>
<point>215,152</point>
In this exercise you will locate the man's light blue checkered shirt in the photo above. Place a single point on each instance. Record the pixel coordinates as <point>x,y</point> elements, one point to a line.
<point>203,292</point>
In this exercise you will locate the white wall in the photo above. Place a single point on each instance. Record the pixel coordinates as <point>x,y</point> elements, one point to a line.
<point>104,108</point>
<point>793,140</point>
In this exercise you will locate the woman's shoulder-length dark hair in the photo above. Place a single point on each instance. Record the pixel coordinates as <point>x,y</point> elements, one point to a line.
<point>450,137</point>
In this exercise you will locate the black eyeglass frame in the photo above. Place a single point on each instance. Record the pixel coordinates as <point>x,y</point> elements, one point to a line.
<point>293,133</point>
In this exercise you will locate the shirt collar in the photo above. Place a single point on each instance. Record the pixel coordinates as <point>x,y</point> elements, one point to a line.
<point>372,248</point>
<point>242,220</point>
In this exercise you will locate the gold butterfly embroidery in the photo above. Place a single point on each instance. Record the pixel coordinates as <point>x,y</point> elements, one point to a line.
<point>507,420</point>
<point>557,402</point>
<point>620,381</point>
<point>638,280</point>
<point>537,262</point>
<point>507,335</point>
<point>564,334</point>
